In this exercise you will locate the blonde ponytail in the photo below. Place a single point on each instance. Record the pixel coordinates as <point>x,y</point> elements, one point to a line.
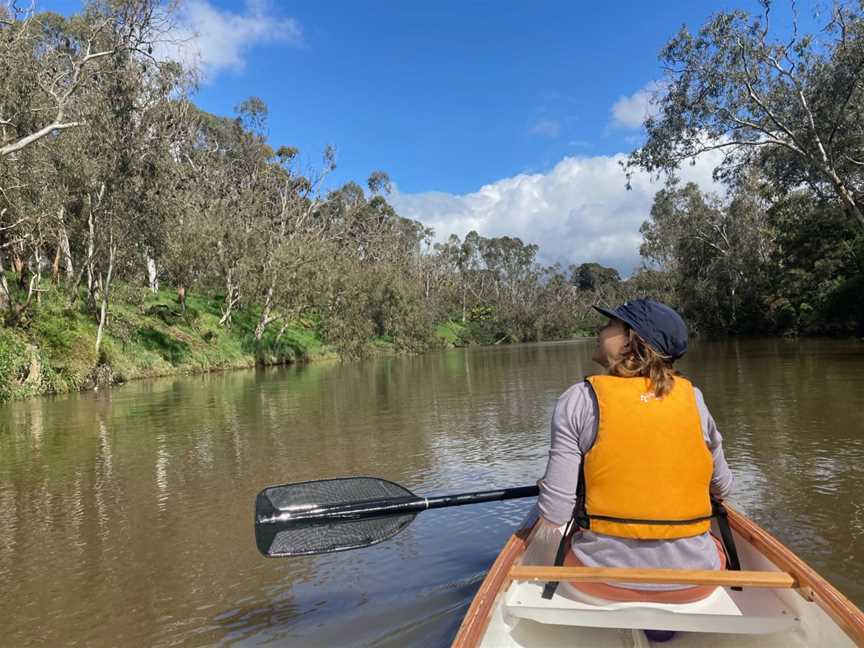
<point>639,359</point>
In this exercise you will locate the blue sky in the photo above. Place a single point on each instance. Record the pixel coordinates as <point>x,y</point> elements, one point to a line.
<point>449,96</point>
<point>504,117</point>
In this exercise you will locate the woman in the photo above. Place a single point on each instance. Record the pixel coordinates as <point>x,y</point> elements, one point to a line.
<point>647,452</point>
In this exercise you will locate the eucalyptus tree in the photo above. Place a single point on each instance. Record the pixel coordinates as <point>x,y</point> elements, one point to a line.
<point>225,166</point>
<point>295,236</point>
<point>793,104</point>
<point>817,268</point>
<point>46,62</point>
<point>717,253</point>
<point>376,288</point>
<point>131,116</point>
<point>593,276</point>
<point>85,77</point>
<point>559,308</point>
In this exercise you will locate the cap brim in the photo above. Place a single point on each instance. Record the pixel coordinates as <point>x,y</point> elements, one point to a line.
<point>615,314</point>
<point>607,312</point>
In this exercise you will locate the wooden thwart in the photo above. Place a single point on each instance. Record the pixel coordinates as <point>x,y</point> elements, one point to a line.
<point>767,579</point>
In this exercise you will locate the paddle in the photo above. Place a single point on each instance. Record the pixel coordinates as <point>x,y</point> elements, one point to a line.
<point>339,514</point>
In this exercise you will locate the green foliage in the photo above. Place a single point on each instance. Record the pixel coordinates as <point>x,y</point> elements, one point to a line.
<point>399,315</point>
<point>56,352</point>
<point>715,253</point>
<point>788,112</point>
<point>792,266</point>
<point>451,333</point>
<point>484,326</point>
<point>790,105</point>
<point>66,340</point>
<point>819,268</point>
<point>172,350</point>
<point>13,366</point>
<point>593,276</point>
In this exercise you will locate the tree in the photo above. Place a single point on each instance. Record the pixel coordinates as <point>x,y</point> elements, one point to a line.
<point>818,265</point>
<point>792,106</point>
<point>593,276</point>
<point>716,253</point>
<point>46,63</point>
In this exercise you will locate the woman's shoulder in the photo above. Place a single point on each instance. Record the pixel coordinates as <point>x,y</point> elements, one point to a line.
<point>700,397</point>
<point>577,391</point>
<point>696,391</point>
<point>578,398</point>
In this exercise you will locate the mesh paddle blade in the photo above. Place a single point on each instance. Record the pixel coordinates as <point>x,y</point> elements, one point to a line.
<point>304,536</point>
<point>327,538</point>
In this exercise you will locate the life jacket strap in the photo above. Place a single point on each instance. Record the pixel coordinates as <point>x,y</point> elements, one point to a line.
<point>563,547</point>
<point>719,511</point>
<point>609,518</point>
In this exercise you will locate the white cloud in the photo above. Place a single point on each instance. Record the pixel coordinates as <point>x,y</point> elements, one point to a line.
<point>578,211</point>
<point>213,40</point>
<point>546,127</point>
<point>630,112</point>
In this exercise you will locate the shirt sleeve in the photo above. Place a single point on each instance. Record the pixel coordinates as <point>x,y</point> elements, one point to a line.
<point>572,421</point>
<point>721,479</point>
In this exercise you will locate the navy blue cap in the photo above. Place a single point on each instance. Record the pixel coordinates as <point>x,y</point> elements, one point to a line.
<point>660,326</point>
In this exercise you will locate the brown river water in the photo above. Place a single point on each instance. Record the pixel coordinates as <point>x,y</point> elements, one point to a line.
<point>126,515</point>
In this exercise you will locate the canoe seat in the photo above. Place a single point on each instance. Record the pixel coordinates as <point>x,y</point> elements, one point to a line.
<point>751,611</point>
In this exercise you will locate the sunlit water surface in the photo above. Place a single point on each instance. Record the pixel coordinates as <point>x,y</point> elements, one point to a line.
<point>126,515</point>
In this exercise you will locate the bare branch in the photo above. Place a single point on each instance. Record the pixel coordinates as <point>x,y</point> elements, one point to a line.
<point>13,225</point>
<point>29,139</point>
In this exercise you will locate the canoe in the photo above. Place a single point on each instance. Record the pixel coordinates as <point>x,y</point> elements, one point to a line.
<point>781,602</point>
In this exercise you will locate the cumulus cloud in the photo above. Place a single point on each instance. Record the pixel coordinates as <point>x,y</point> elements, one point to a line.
<point>213,40</point>
<point>578,211</point>
<point>630,112</point>
<point>546,127</point>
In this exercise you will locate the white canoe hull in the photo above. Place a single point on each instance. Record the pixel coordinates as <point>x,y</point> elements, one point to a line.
<point>510,614</point>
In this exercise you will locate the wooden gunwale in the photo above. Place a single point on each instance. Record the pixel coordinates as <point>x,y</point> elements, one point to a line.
<point>497,581</point>
<point>811,585</point>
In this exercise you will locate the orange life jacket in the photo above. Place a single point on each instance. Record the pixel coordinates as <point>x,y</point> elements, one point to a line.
<point>649,472</point>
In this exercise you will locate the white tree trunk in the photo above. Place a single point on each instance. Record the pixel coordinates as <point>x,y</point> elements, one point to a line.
<point>41,262</point>
<point>232,296</point>
<point>106,291</point>
<point>91,244</point>
<point>282,330</point>
<point>5,295</point>
<point>65,247</point>
<point>266,313</point>
<point>91,237</point>
<point>152,278</point>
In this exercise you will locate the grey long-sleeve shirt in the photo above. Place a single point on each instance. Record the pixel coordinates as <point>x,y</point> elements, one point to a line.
<point>574,430</point>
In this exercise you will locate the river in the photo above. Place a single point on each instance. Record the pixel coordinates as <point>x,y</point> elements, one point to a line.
<point>126,515</point>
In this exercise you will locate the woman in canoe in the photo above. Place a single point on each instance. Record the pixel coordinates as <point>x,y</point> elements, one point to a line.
<point>634,456</point>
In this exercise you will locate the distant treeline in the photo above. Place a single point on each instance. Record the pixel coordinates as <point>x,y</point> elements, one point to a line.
<point>110,175</point>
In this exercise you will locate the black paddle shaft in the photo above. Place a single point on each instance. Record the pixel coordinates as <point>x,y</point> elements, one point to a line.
<point>393,506</point>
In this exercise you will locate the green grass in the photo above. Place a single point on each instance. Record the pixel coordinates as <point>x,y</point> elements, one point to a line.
<point>451,333</point>
<point>53,349</point>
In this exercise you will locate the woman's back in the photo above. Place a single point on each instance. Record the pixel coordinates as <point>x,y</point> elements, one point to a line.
<point>636,478</point>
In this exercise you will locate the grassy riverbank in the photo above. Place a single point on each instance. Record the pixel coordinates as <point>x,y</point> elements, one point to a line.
<point>54,349</point>
<point>51,348</point>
